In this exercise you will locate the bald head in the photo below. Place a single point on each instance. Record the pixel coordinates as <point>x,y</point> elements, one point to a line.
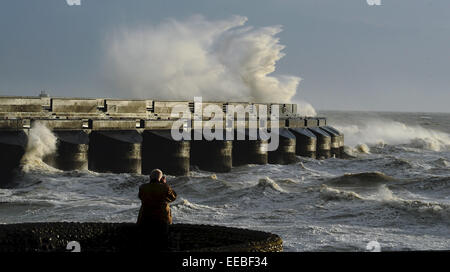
<point>156,174</point>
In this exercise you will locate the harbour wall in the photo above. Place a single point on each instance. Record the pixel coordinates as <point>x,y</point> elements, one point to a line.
<point>134,136</point>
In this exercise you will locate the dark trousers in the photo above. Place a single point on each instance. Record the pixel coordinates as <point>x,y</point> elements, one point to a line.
<point>154,236</point>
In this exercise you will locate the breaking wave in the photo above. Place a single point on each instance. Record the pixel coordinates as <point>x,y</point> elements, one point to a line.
<point>266,182</point>
<point>186,206</point>
<point>357,150</point>
<point>416,207</point>
<point>382,132</point>
<point>385,197</point>
<point>41,143</point>
<point>329,193</point>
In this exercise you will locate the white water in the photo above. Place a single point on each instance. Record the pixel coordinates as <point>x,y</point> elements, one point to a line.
<point>381,132</point>
<point>41,142</point>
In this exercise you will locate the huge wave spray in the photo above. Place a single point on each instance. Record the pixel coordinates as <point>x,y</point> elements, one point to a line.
<point>41,143</point>
<point>218,60</point>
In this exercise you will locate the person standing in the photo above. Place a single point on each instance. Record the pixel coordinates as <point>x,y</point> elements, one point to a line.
<point>155,215</point>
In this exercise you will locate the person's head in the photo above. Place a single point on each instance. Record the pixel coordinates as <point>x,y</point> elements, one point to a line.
<point>156,175</point>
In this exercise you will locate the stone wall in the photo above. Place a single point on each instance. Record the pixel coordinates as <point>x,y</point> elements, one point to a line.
<point>123,237</point>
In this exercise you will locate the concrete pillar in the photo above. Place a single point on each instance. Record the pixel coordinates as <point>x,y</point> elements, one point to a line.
<point>115,151</point>
<point>72,150</point>
<point>215,155</point>
<point>306,142</point>
<point>160,151</point>
<point>249,151</point>
<point>337,141</point>
<point>12,149</point>
<point>285,154</point>
<point>323,143</point>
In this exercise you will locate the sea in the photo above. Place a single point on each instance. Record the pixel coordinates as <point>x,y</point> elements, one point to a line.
<point>393,192</point>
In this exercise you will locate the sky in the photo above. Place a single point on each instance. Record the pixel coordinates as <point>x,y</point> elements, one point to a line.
<point>348,54</point>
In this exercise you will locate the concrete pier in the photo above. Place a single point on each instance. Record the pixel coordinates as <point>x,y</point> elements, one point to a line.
<point>323,143</point>
<point>72,151</point>
<point>249,151</point>
<point>285,154</point>
<point>336,143</point>
<point>340,139</point>
<point>12,148</point>
<point>159,150</point>
<point>306,142</point>
<point>115,151</point>
<point>215,155</point>
<point>133,136</point>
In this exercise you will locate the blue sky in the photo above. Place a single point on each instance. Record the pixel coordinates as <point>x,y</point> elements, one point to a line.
<point>350,56</point>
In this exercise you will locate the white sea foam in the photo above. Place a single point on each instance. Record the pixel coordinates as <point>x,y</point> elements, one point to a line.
<point>41,142</point>
<point>329,193</point>
<point>381,132</point>
<point>267,182</point>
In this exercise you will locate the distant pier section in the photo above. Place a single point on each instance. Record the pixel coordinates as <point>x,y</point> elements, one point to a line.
<point>134,136</point>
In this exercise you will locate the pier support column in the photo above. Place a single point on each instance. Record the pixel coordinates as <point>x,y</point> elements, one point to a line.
<point>337,141</point>
<point>72,151</point>
<point>323,148</point>
<point>215,155</point>
<point>306,143</point>
<point>115,151</point>
<point>285,154</point>
<point>12,148</point>
<point>249,151</point>
<point>160,151</point>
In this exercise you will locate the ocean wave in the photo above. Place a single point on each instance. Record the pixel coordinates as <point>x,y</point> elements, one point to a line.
<point>441,162</point>
<point>382,132</point>
<point>436,184</point>
<point>329,193</point>
<point>36,165</point>
<point>417,207</point>
<point>288,181</point>
<point>430,143</point>
<point>266,183</point>
<point>41,143</point>
<point>364,178</point>
<point>186,206</point>
<point>354,152</point>
<point>262,188</point>
<point>421,207</point>
<point>394,162</point>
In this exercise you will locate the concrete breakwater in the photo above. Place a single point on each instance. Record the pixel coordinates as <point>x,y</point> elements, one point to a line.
<point>135,136</point>
<point>124,237</point>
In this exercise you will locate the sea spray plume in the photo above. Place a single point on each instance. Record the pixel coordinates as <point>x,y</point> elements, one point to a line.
<point>41,142</point>
<point>217,60</point>
<point>305,109</point>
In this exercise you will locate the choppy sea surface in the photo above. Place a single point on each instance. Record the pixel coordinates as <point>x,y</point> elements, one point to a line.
<point>395,191</point>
